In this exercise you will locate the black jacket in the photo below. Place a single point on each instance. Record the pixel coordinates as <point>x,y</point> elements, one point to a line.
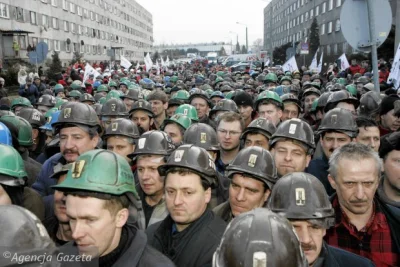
<point>208,121</point>
<point>319,168</point>
<point>192,247</point>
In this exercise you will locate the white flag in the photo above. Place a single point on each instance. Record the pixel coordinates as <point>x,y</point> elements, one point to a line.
<point>148,62</point>
<point>290,65</point>
<point>89,70</point>
<point>267,63</point>
<point>344,63</point>
<point>167,62</point>
<point>314,62</point>
<point>394,76</point>
<point>137,66</point>
<point>162,62</point>
<point>125,63</point>
<point>320,63</point>
<point>158,67</point>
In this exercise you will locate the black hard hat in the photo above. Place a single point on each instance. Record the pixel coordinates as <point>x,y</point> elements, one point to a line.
<point>200,93</point>
<point>337,87</point>
<point>201,135</point>
<point>97,97</point>
<point>76,113</point>
<point>47,101</point>
<point>48,92</point>
<point>23,234</point>
<point>301,196</point>
<point>311,91</point>
<point>256,162</point>
<point>323,99</point>
<point>97,107</point>
<point>340,96</point>
<point>261,126</point>
<point>364,80</point>
<point>153,143</point>
<point>114,107</point>
<point>224,105</point>
<point>369,103</point>
<point>193,158</point>
<point>259,238</point>
<point>316,77</point>
<point>289,97</point>
<point>142,105</point>
<point>339,120</point>
<point>33,116</point>
<point>295,129</point>
<point>243,99</point>
<point>132,94</point>
<point>87,98</point>
<point>123,127</point>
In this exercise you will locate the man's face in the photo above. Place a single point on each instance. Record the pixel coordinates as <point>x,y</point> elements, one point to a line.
<point>141,119</point>
<point>308,100</point>
<point>369,136</point>
<point>123,88</point>
<point>94,229</point>
<point>186,198</point>
<point>306,78</point>
<point>37,82</point>
<point>256,139</point>
<point>347,106</point>
<point>4,197</point>
<point>356,184</point>
<point>270,112</point>
<point>128,103</point>
<point>158,107</point>
<point>150,180</point>
<point>171,110</point>
<point>360,87</point>
<point>60,210</point>
<point>201,106</point>
<point>391,122</point>
<point>270,85</point>
<point>74,141</point>
<point>290,111</point>
<point>332,140</point>
<point>174,131</point>
<point>246,194</point>
<point>215,100</point>
<point>285,83</point>
<point>353,62</point>
<point>311,239</point>
<point>245,111</point>
<point>60,94</point>
<point>392,170</point>
<point>121,146</point>
<point>290,157</point>
<point>43,109</point>
<point>228,134</point>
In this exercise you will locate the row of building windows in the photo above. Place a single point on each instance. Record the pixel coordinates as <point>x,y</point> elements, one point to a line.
<point>299,3</point>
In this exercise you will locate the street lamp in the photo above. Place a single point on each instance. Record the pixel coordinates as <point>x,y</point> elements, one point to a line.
<point>247,39</point>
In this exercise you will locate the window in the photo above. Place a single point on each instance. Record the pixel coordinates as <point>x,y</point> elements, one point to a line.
<point>322,29</point>
<point>335,49</point>
<point>22,41</point>
<point>54,2</point>
<point>97,17</point>
<point>65,4</point>
<point>34,41</point>
<point>45,20</point>
<point>72,7</point>
<point>74,47</point>
<point>86,13</point>
<point>301,18</point>
<point>317,11</point>
<point>33,17</point>
<point>49,44</point>
<point>72,27</point>
<point>79,29</point>
<point>56,45</point>
<point>55,23</point>
<point>338,3</point>
<point>311,13</point>
<point>323,8</point>
<point>67,47</point>
<point>337,26</point>
<point>20,14</point>
<point>330,6</point>
<point>79,10</point>
<point>306,16</point>
<point>4,11</point>
<point>91,15</point>
<point>94,49</point>
<point>328,50</point>
<point>330,27</point>
<point>66,26</point>
<point>82,49</point>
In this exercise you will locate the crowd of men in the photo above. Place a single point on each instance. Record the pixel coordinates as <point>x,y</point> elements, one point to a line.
<point>200,166</point>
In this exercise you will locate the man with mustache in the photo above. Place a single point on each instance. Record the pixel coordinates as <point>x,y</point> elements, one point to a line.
<point>337,129</point>
<point>301,198</point>
<point>78,127</point>
<point>364,224</point>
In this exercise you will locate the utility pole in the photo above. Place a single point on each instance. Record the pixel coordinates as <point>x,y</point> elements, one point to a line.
<point>247,41</point>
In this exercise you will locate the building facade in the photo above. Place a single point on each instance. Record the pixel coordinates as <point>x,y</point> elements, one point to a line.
<point>101,30</point>
<point>290,21</point>
<point>203,48</point>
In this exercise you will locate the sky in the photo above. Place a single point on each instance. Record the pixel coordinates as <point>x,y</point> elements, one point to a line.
<point>195,21</point>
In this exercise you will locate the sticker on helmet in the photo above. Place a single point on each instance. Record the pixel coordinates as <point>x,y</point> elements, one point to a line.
<point>67,113</point>
<point>334,119</point>
<point>113,107</point>
<point>252,160</point>
<point>77,168</point>
<point>292,128</point>
<point>185,111</point>
<point>36,116</point>
<point>211,163</point>
<point>114,126</point>
<point>203,138</point>
<point>259,122</point>
<point>140,104</point>
<point>300,197</point>
<point>49,119</point>
<point>179,155</point>
<point>142,142</point>
<point>40,99</point>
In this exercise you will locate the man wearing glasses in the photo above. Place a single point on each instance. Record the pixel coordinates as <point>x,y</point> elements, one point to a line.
<point>229,128</point>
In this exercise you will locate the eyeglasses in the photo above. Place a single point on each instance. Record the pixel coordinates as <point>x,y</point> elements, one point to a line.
<point>225,132</point>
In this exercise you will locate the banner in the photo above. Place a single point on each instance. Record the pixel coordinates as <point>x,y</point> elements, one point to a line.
<point>320,63</point>
<point>314,62</point>
<point>290,65</point>
<point>394,76</point>
<point>344,63</point>
<point>88,71</point>
<point>125,63</point>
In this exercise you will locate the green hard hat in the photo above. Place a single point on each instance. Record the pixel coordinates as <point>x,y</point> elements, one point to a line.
<point>58,87</point>
<point>102,100</point>
<point>174,79</point>
<point>111,84</point>
<point>189,111</point>
<point>219,79</point>
<point>75,86</point>
<point>75,93</point>
<point>102,88</point>
<point>286,78</point>
<point>20,101</point>
<point>352,89</point>
<point>314,105</point>
<point>270,77</point>
<point>181,95</point>
<point>60,102</point>
<point>342,81</point>
<point>209,91</point>
<point>50,112</point>
<point>113,94</point>
<point>181,120</point>
<point>100,171</point>
<point>24,129</point>
<point>11,164</point>
<point>230,94</point>
<point>268,95</point>
<point>220,74</point>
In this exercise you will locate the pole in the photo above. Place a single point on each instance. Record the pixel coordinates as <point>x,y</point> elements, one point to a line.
<point>374,52</point>
<point>397,19</point>
<point>247,41</point>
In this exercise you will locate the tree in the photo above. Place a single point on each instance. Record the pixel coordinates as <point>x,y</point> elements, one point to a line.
<point>222,52</point>
<point>257,45</point>
<point>314,37</point>
<point>279,53</point>
<point>55,67</point>
<point>193,51</point>
<point>244,50</point>
<point>155,56</point>
<point>76,57</point>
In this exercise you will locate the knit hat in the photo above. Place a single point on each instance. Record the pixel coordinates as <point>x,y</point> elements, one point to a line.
<point>243,99</point>
<point>389,142</point>
<point>387,104</point>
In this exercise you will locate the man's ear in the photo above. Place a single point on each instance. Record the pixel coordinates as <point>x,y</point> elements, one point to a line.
<point>332,181</point>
